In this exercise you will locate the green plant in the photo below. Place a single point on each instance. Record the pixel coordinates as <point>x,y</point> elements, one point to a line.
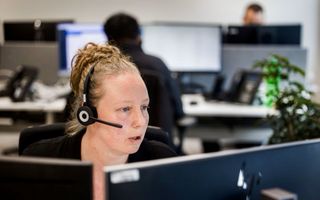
<point>299,116</point>
<point>275,69</point>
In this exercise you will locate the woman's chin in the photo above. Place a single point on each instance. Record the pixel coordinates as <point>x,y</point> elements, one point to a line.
<point>132,149</point>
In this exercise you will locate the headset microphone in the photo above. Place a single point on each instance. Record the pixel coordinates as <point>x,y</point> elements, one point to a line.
<point>107,123</point>
<point>87,114</point>
<point>86,118</point>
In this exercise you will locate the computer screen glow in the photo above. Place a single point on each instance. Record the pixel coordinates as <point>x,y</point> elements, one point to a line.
<point>75,36</point>
<point>184,47</point>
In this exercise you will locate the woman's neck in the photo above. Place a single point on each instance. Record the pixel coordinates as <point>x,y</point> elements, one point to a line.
<point>95,150</point>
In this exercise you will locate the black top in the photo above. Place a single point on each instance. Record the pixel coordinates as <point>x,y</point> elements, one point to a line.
<point>70,147</point>
<point>149,62</point>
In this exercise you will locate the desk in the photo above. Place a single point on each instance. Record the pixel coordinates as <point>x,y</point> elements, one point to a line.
<point>196,106</point>
<point>226,122</point>
<point>34,106</point>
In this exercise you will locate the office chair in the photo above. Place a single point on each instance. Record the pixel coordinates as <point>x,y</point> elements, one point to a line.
<point>34,134</point>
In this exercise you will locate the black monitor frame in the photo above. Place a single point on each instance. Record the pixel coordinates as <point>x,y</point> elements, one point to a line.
<point>287,34</point>
<point>33,30</point>
<point>45,178</point>
<point>233,174</point>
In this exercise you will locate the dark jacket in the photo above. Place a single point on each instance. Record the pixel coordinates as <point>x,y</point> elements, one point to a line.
<point>149,62</point>
<point>70,147</point>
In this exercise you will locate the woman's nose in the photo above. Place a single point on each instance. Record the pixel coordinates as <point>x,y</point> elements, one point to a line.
<point>140,118</point>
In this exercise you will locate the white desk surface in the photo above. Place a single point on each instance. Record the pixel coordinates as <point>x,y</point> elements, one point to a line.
<point>201,108</point>
<point>54,106</point>
<point>195,105</point>
<point>49,108</point>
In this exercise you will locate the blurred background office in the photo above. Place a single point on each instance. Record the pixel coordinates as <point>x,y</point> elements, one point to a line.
<point>203,11</point>
<point>205,63</point>
<point>213,12</point>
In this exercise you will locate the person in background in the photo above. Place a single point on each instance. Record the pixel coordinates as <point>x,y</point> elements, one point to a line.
<point>123,31</point>
<point>253,15</point>
<point>106,81</point>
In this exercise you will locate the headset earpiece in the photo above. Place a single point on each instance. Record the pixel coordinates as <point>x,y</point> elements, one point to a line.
<point>85,115</point>
<point>86,112</point>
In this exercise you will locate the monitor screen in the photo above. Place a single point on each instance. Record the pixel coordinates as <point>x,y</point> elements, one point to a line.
<point>271,34</point>
<point>184,47</point>
<point>37,30</point>
<point>75,36</point>
<point>233,174</point>
<point>42,178</point>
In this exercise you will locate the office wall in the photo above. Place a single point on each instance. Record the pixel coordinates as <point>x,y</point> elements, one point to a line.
<point>215,11</point>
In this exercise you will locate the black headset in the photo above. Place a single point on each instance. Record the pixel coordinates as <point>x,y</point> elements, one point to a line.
<point>87,114</point>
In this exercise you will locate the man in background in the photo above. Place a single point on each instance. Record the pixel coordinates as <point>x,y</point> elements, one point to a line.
<point>123,31</point>
<point>253,15</point>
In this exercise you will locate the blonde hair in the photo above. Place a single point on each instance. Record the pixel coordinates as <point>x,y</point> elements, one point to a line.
<point>107,60</point>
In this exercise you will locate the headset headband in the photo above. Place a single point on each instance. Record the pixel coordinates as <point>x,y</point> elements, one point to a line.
<point>86,85</point>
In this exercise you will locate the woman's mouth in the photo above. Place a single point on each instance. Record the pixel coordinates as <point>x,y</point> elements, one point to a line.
<point>135,138</point>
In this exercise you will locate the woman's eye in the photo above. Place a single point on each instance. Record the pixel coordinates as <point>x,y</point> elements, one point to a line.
<point>145,107</point>
<point>125,109</point>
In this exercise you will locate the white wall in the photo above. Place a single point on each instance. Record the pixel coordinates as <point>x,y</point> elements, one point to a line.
<point>305,12</point>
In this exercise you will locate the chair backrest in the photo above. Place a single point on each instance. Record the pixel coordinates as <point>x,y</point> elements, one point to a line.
<point>160,112</point>
<point>34,134</point>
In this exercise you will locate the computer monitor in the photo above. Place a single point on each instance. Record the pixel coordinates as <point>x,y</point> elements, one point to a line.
<point>43,178</point>
<point>269,34</point>
<point>184,47</point>
<point>36,30</point>
<point>233,174</point>
<point>75,36</point>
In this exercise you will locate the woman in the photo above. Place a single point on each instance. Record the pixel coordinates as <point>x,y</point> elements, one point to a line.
<point>107,88</point>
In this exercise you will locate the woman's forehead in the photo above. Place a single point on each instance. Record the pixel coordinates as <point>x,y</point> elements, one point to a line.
<point>122,79</point>
<point>124,84</point>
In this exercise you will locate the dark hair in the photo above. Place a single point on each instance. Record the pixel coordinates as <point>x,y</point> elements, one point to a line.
<point>121,26</point>
<point>255,7</point>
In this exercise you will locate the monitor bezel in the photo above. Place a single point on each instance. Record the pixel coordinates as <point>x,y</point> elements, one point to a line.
<point>241,172</point>
<point>259,29</point>
<point>20,176</point>
<point>30,25</point>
